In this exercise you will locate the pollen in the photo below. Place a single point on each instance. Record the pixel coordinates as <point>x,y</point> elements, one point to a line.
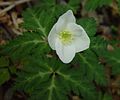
<point>66,37</point>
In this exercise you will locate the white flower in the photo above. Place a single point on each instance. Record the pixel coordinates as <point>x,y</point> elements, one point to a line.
<point>67,37</point>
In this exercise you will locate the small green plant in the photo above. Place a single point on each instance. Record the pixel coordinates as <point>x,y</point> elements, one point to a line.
<point>43,75</point>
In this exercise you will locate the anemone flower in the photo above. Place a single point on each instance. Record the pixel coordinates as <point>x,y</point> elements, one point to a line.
<point>67,37</point>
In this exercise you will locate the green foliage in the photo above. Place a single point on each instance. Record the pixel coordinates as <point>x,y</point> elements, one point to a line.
<point>50,79</point>
<point>4,73</point>
<point>89,24</point>
<point>118,4</point>
<point>25,45</point>
<point>105,96</point>
<point>73,5</point>
<point>3,62</point>
<point>38,20</point>
<point>43,76</point>
<point>113,57</point>
<point>92,68</point>
<point>99,46</point>
<point>93,4</point>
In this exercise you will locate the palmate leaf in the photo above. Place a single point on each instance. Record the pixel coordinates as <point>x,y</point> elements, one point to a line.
<point>39,20</point>
<point>99,45</point>
<point>49,79</point>
<point>92,68</point>
<point>89,61</point>
<point>98,48</point>
<point>37,23</point>
<point>25,45</point>
<point>93,4</point>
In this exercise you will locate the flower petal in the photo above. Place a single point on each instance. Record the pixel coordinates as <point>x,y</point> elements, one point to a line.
<point>65,19</point>
<point>81,39</point>
<point>65,52</point>
<point>52,37</point>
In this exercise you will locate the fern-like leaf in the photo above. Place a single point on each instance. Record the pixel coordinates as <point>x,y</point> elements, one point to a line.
<point>25,45</point>
<point>99,45</point>
<point>38,20</point>
<point>49,79</point>
<point>93,69</point>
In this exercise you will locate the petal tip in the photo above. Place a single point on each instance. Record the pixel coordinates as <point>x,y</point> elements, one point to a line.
<point>70,12</point>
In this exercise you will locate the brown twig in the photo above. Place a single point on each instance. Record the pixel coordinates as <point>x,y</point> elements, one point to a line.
<point>7,3</point>
<point>12,5</point>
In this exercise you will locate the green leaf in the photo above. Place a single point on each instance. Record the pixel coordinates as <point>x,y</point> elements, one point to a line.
<point>90,63</point>
<point>93,69</point>
<point>118,4</point>
<point>93,4</point>
<point>13,69</point>
<point>48,2</point>
<point>38,20</point>
<point>89,24</point>
<point>4,76</point>
<point>63,6</point>
<point>4,62</point>
<point>107,97</point>
<point>50,79</point>
<point>99,45</point>
<point>74,4</point>
<point>25,45</point>
<point>113,58</point>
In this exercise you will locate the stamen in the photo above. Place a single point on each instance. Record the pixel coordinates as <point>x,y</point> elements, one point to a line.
<point>66,37</point>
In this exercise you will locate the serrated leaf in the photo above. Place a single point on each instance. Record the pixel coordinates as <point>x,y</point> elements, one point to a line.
<point>94,70</point>
<point>99,45</point>
<point>38,19</point>
<point>25,45</point>
<point>52,80</point>
<point>93,4</point>
<point>89,24</point>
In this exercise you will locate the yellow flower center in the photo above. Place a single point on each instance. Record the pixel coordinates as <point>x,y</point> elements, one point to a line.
<point>66,37</point>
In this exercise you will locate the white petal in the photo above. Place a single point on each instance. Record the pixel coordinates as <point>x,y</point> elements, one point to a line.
<point>81,43</point>
<point>65,52</point>
<point>65,19</point>
<point>52,37</point>
<point>81,39</point>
